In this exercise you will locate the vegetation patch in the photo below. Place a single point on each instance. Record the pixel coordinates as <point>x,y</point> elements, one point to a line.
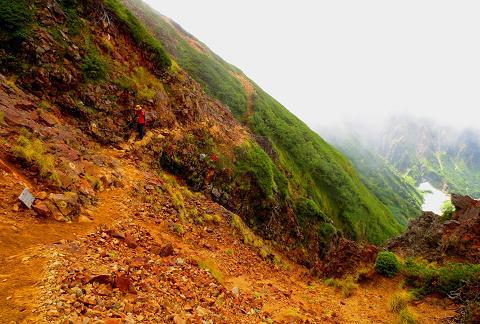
<point>387,264</point>
<point>447,211</point>
<point>346,285</point>
<point>212,268</point>
<point>399,301</point>
<point>142,83</point>
<point>445,280</point>
<point>32,150</point>
<point>94,66</point>
<point>406,316</point>
<point>15,20</point>
<point>252,160</point>
<point>140,34</point>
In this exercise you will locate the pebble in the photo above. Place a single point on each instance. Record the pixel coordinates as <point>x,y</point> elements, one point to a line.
<point>180,261</point>
<point>235,291</point>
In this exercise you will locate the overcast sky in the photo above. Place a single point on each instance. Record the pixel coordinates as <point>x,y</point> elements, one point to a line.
<point>327,60</point>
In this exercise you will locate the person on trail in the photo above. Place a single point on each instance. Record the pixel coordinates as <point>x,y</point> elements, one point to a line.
<point>140,116</point>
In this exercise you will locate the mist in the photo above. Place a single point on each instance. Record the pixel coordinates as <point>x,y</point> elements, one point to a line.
<point>328,60</point>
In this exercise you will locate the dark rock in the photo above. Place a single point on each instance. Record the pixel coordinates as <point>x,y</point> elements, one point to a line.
<point>130,240</point>
<point>101,279</point>
<point>166,250</point>
<point>41,209</point>
<point>116,234</point>
<point>456,239</point>
<point>123,283</point>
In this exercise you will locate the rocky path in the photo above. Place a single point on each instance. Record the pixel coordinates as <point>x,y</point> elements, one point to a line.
<point>136,261</point>
<point>249,90</point>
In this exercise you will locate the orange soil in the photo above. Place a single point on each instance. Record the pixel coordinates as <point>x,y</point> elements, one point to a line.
<point>289,295</point>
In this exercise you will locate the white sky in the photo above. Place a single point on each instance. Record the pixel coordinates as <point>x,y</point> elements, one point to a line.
<point>327,60</point>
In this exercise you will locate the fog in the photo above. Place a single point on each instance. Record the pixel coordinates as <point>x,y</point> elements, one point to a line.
<point>361,60</point>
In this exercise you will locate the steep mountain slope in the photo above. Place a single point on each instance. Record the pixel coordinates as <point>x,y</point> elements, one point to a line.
<point>112,237</point>
<point>84,65</point>
<point>379,176</point>
<point>302,173</point>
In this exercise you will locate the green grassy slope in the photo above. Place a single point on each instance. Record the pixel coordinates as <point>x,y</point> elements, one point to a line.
<point>381,178</point>
<point>304,165</point>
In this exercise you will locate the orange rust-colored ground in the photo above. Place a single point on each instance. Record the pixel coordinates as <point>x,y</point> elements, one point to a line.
<point>289,294</point>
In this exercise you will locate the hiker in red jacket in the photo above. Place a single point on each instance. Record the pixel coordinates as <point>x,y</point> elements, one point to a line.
<point>140,115</point>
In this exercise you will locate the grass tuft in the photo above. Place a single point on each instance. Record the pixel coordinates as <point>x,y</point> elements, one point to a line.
<point>399,301</point>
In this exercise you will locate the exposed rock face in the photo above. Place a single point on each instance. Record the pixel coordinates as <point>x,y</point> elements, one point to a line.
<point>456,239</point>
<point>346,256</point>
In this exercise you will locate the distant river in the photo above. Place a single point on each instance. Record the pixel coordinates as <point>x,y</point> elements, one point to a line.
<point>433,198</point>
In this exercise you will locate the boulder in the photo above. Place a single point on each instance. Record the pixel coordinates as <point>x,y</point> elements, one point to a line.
<point>67,203</point>
<point>54,211</point>
<point>41,209</point>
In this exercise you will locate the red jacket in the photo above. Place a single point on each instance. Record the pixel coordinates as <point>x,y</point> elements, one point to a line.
<point>140,117</point>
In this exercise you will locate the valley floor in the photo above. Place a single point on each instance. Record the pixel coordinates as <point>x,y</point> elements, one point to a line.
<point>120,267</point>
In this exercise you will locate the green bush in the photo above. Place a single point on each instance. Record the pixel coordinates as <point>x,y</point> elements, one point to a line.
<point>387,264</point>
<point>252,160</point>
<point>140,34</point>
<point>94,67</point>
<point>15,19</point>
<point>447,210</point>
<point>444,280</point>
<point>454,276</point>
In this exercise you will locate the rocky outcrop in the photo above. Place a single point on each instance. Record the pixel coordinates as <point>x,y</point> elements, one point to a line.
<point>346,256</point>
<point>457,239</point>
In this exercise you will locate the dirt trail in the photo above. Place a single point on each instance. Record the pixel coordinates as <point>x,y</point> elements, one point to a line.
<point>287,294</point>
<point>25,238</point>
<point>249,90</point>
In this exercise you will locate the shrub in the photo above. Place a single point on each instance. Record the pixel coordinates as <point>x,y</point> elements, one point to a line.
<point>308,209</point>
<point>447,210</point>
<point>454,276</point>
<point>387,264</point>
<point>15,19</point>
<point>444,280</point>
<point>94,66</point>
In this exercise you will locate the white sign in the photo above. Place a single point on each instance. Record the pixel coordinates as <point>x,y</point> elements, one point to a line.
<point>26,198</point>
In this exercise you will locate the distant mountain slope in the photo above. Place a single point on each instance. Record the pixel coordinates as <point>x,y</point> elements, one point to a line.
<point>425,151</point>
<point>305,169</point>
<point>420,150</point>
<point>380,177</point>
